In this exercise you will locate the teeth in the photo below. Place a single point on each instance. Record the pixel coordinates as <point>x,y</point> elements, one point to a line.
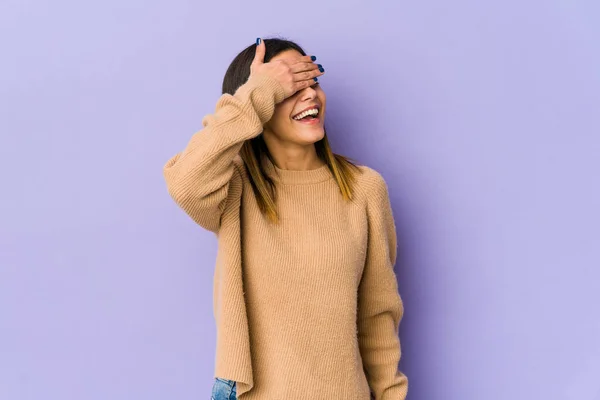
<point>313,111</point>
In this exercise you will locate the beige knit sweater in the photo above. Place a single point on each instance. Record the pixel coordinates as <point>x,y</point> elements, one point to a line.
<point>308,309</point>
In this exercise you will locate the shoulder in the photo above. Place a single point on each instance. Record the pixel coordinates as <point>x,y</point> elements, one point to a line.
<point>371,183</point>
<point>375,196</point>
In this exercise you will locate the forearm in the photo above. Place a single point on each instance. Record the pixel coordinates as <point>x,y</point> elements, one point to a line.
<point>381,351</point>
<point>198,177</point>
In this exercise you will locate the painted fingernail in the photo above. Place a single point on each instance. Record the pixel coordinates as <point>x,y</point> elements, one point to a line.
<point>313,58</point>
<point>321,68</point>
<point>257,41</point>
<point>316,80</point>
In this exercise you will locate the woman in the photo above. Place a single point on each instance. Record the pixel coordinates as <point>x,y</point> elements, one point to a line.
<point>305,296</point>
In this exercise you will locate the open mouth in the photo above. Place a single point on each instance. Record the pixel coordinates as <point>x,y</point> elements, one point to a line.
<point>309,116</point>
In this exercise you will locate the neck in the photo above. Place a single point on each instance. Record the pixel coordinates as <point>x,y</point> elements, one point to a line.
<point>294,157</point>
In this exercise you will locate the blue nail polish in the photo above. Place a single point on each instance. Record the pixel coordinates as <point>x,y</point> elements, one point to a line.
<point>313,58</point>
<point>316,80</point>
<point>321,69</point>
<point>257,41</point>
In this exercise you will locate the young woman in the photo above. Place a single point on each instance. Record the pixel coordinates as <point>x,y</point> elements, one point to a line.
<point>305,296</point>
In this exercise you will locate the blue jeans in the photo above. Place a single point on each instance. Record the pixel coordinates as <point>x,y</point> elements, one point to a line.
<point>223,389</point>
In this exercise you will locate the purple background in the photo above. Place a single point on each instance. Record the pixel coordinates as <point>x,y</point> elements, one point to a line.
<point>484,118</point>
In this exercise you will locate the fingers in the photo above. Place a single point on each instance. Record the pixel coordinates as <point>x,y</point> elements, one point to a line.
<point>303,84</point>
<point>259,55</point>
<point>303,66</point>
<point>306,59</point>
<point>304,63</point>
<point>303,70</point>
<point>309,75</point>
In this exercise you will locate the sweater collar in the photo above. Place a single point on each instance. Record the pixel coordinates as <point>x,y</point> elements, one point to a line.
<point>295,177</point>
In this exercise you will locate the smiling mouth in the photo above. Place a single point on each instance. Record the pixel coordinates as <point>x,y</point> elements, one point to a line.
<point>307,115</point>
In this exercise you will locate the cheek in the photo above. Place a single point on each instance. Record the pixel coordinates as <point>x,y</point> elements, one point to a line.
<point>281,114</point>
<point>322,98</point>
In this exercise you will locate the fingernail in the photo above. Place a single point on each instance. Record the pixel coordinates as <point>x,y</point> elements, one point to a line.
<point>316,80</point>
<point>257,41</point>
<point>313,58</point>
<point>321,68</point>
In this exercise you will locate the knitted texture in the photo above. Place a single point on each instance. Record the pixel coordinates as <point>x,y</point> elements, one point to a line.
<point>308,308</point>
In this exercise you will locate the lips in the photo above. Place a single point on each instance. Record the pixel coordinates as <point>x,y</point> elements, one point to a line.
<point>313,121</point>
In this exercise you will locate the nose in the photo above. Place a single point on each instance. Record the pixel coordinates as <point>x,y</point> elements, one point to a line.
<point>308,93</point>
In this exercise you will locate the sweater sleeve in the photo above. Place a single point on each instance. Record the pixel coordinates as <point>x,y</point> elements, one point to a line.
<point>380,307</point>
<point>199,177</point>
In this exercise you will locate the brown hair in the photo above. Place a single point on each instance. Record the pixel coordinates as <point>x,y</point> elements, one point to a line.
<point>253,150</point>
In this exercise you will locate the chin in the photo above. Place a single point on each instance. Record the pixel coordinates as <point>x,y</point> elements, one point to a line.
<point>312,136</point>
